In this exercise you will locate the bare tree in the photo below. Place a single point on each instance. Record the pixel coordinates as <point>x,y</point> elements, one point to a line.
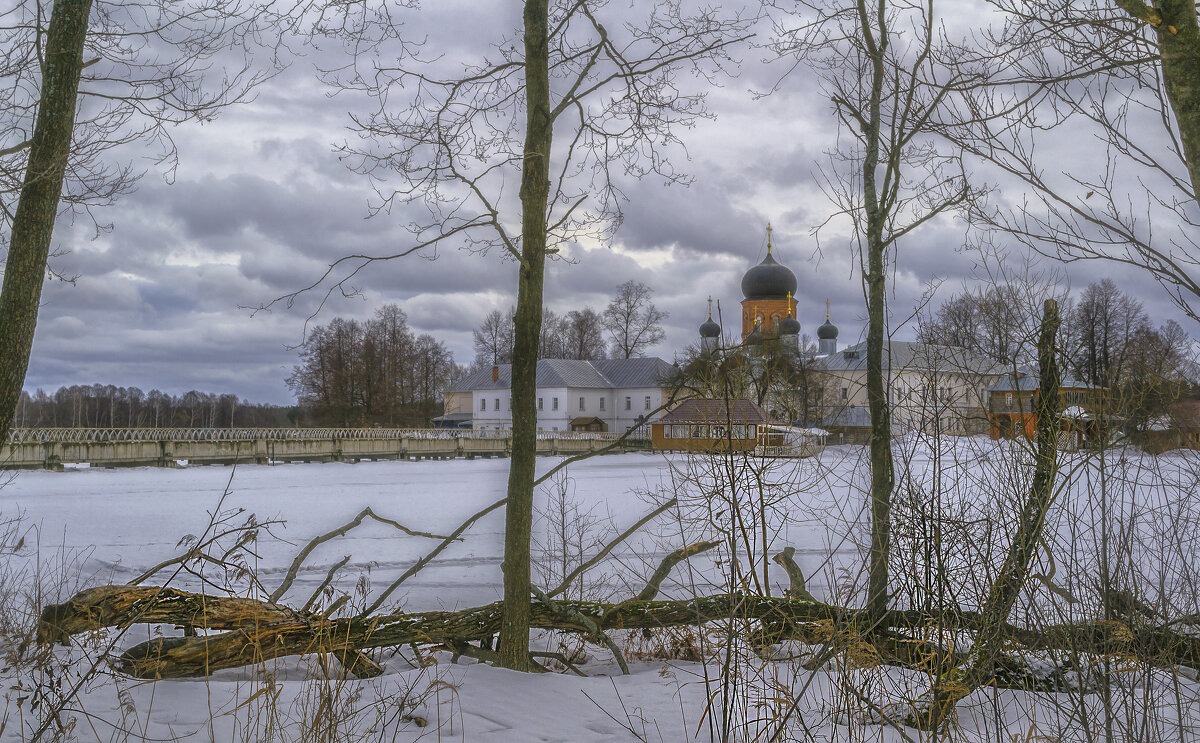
<point>632,321</point>
<point>880,67</point>
<point>1121,74</point>
<point>553,344</point>
<point>103,74</point>
<point>377,372</point>
<point>987,320</point>
<point>1101,327</point>
<point>584,334</point>
<point>460,138</point>
<point>33,223</point>
<point>494,339</point>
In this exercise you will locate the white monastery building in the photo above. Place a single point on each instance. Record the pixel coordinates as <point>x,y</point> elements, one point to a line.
<point>572,395</point>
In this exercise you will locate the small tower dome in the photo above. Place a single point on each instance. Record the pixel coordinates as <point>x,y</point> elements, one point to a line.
<point>827,335</point>
<point>789,325</point>
<point>710,332</point>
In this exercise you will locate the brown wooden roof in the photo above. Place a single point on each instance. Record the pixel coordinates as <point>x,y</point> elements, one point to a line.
<point>586,420</point>
<point>698,410</point>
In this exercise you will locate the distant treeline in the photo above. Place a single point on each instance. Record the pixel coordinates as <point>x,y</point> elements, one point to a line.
<point>108,406</point>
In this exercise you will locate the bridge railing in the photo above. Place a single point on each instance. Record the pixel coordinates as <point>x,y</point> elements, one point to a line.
<point>100,435</point>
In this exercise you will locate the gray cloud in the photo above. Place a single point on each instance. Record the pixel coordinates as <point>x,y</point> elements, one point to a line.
<point>261,204</point>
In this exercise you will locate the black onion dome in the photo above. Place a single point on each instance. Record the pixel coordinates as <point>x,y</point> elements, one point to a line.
<point>827,332</point>
<point>789,326</point>
<point>710,329</point>
<point>768,280</point>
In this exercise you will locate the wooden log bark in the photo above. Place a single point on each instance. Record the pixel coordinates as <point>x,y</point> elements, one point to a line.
<point>265,632</point>
<point>115,606</point>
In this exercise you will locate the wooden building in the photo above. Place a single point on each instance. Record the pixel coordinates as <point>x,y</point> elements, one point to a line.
<point>1012,402</point>
<point>709,425</point>
<point>589,423</point>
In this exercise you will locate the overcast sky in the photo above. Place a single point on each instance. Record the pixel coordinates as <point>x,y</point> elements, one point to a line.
<point>260,204</point>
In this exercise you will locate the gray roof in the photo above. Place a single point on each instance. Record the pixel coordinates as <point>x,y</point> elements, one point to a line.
<point>602,374</point>
<point>852,416</point>
<point>907,356</point>
<point>630,373</point>
<point>1027,380</point>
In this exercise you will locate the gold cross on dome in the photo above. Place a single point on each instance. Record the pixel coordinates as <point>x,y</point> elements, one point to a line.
<point>768,238</point>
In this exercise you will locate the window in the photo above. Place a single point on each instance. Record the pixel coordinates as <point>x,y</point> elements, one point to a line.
<point>629,403</point>
<point>602,403</point>
<point>483,403</point>
<point>497,403</point>
<point>581,405</point>
<point>1008,399</point>
<point>845,393</point>
<point>554,406</point>
<point>540,404</point>
<point>647,402</point>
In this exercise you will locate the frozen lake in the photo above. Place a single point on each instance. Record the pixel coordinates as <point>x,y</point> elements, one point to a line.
<point>120,522</point>
<point>107,526</point>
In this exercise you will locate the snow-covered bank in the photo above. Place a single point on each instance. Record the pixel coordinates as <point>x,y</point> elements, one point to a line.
<point>112,524</point>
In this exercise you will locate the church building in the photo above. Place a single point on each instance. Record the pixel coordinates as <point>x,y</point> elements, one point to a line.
<point>769,309</point>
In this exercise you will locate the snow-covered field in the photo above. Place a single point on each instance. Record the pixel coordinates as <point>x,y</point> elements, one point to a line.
<point>107,526</point>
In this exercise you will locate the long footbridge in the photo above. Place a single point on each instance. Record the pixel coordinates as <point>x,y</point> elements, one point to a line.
<point>52,448</point>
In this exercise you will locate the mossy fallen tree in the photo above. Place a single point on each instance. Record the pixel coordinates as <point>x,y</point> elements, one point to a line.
<point>260,631</point>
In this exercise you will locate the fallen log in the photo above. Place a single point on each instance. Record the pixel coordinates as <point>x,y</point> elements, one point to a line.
<point>113,606</point>
<point>260,631</point>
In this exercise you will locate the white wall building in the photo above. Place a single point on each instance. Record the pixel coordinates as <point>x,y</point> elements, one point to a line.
<point>930,388</point>
<point>621,393</point>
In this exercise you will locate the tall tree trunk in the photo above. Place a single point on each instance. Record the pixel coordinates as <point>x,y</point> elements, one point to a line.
<point>37,206</point>
<point>527,327</point>
<point>1175,23</point>
<point>882,473</point>
<point>1008,583</point>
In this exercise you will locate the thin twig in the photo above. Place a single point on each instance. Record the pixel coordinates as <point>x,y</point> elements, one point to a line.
<point>321,539</point>
<point>421,563</point>
<point>609,547</point>
<point>328,579</point>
